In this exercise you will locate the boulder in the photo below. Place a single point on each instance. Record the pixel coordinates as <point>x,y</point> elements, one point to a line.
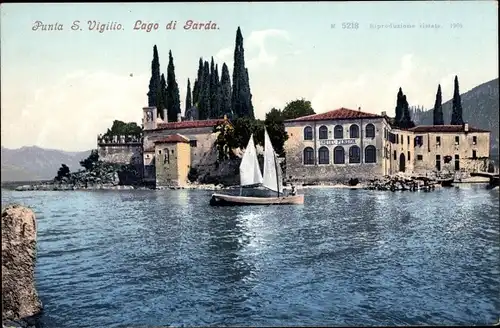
<point>19,296</point>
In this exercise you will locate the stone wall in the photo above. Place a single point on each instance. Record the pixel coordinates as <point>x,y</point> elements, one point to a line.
<point>121,150</point>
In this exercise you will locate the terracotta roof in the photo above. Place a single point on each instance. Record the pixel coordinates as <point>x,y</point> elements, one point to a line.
<point>444,128</point>
<point>173,138</point>
<point>336,114</point>
<point>149,150</point>
<point>189,124</point>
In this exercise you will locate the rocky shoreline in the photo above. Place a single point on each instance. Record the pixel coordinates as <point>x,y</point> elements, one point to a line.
<point>72,187</point>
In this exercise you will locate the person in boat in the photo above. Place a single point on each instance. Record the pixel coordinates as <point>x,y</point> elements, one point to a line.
<point>293,192</point>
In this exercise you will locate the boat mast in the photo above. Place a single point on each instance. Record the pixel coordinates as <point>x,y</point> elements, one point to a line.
<point>277,175</point>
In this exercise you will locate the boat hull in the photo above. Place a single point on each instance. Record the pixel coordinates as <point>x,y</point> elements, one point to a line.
<point>446,182</point>
<point>228,200</point>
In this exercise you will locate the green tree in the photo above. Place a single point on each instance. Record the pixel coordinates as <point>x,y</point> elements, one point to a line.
<point>406,121</point>
<point>204,100</point>
<point>214,91</point>
<point>399,106</point>
<point>62,173</point>
<point>154,93</point>
<point>225,101</point>
<point>438,108</point>
<point>274,123</point>
<point>120,128</point>
<point>162,103</point>
<point>173,98</point>
<point>241,97</point>
<point>456,115</point>
<point>297,108</point>
<point>89,162</point>
<point>188,97</point>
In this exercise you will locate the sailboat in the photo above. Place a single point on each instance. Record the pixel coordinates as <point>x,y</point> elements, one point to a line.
<point>250,176</point>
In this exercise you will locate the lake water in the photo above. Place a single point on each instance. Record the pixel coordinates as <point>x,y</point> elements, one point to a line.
<point>346,257</point>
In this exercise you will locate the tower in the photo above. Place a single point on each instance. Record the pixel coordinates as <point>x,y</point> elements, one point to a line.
<point>149,118</point>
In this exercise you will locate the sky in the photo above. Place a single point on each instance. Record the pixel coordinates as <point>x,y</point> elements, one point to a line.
<point>61,88</point>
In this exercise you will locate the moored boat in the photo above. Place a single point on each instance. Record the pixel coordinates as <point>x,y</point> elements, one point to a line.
<point>250,175</point>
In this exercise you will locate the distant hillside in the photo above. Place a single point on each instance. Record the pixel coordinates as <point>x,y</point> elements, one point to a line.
<point>480,109</point>
<point>35,163</point>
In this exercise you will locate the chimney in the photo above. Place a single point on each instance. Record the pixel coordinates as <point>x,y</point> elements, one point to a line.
<point>179,117</point>
<point>466,127</point>
<point>384,113</point>
<point>225,117</point>
<point>359,109</point>
<point>165,115</point>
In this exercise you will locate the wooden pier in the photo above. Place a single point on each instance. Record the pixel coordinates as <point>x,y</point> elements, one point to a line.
<point>494,177</point>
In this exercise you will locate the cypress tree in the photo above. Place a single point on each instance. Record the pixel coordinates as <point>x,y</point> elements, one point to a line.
<point>213,91</point>
<point>162,103</point>
<point>154,93</point>
<point>399,107</point>
<point>218,93</point>
<point>204,100</point>
<point>225,101</point>
<point>438,108</point>
<point>173,97</point>
<point>188,97</point>
<point>197,83</point>
<point>406,122</point>
<point>456,115</point>
<point>241,99</point>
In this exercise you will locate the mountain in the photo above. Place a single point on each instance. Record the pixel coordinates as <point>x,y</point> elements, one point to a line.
<point>480,109</point>
<point>35,163</point>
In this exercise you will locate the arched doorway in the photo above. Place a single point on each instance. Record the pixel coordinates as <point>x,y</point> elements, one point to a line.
<point>402,163</point>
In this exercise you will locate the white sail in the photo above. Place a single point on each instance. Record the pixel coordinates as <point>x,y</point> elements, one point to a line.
<point>249,168</point>
<point>272,169</point>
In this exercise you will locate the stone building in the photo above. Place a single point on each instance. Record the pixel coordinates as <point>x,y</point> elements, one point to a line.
<point>194,148</point>
<point>450,148</point>
<point>346,143</point>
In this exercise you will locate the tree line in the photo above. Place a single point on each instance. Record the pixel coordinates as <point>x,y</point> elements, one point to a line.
<point>403,113</point>
<point>212,95</point>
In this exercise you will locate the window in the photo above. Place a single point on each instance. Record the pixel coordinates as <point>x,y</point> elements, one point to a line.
<point>193,143</point>
<point>354,131</point>
<point>457,162</point>
<point>457,140</point>
<point>354,154</point>
<point>419,141</point>
<point>166,157</point>
<point>385,133</point>
<point>402,140</point>
<point>409,157</point>
<point>324,155</point>
<point>397,138</point>
<point>308,133</point>
<point>395,156</point>
<point>474,154</point>
<point>408,141</point>
<point>338,155</point>
<point>159,151</point>
<point>392,137</point>
<point>438,141</point>
<point>338,132</point>
<point>438,162</point>
<point>371,154</point>
<point>420,157</point>
<point>323,132</point>
<point>474,140</point>
<point>308,156</point>
<point>370,130</point>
